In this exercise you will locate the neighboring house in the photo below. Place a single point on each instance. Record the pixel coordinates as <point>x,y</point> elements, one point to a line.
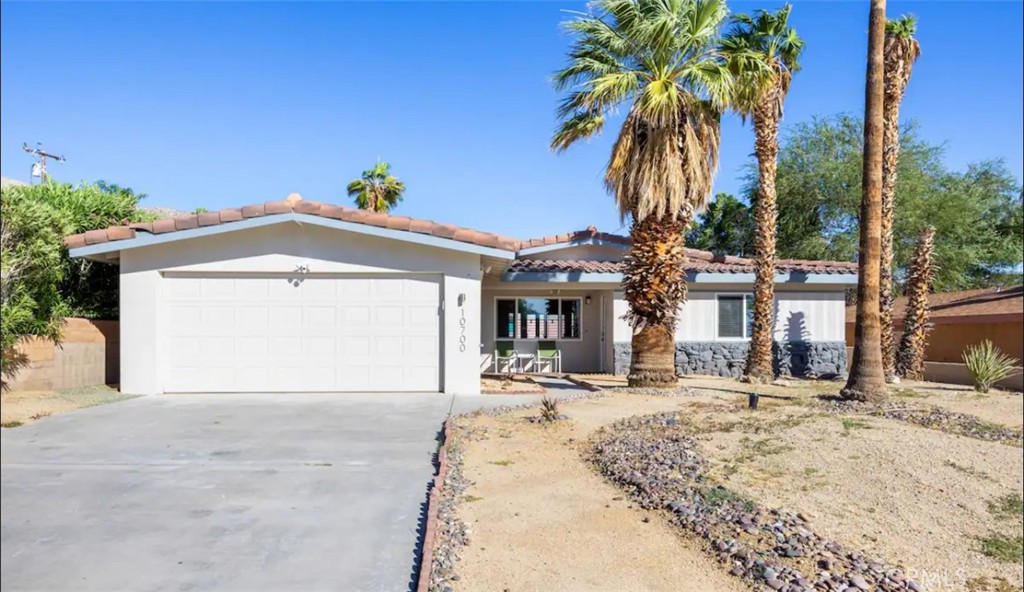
<point>961,319</point>
<point>297,296</point>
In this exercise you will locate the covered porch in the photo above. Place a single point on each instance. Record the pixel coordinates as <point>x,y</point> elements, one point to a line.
<point>541,327</point>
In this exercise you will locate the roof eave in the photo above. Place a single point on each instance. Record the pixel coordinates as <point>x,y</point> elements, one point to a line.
<point>573,243</point>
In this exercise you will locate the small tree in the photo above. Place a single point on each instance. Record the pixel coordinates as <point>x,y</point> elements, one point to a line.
<point>910,358</point>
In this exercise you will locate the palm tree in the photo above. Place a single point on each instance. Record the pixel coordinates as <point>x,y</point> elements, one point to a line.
<point>377,190</point>
<point>867,379</point>
<point>901,51</point>
<point>759,93</point>
<point>661,58</point>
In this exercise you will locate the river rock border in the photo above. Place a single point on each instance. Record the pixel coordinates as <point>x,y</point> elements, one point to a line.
<point>930,416</point>
<point>660,466</point>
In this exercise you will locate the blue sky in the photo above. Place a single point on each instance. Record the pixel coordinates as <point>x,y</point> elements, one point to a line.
<point>217,105</point>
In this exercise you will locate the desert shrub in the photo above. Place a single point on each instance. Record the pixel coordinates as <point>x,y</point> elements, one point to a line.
<point>987,365</point>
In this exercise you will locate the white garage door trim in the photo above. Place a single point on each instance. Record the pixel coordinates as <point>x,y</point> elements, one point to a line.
<point>280,332</point>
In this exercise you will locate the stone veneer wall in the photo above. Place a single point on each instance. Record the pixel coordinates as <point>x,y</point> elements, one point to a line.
<point>822,359</point>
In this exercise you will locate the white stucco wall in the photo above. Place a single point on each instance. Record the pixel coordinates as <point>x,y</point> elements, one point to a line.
<point>801,315</point>
<point>281,248</point>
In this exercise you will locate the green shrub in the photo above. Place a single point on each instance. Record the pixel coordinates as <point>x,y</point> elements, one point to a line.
<point>987,365</point>
<point>30,271</point>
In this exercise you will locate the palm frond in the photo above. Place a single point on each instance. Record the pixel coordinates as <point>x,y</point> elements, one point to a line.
<point>662,59</point>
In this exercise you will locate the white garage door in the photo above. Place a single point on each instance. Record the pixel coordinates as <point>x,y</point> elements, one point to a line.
<point>301,334</point>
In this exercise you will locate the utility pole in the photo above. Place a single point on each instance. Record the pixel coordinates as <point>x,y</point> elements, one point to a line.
<point>39,167</point>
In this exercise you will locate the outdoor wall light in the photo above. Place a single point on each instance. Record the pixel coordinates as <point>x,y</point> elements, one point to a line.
<point>586,300</point>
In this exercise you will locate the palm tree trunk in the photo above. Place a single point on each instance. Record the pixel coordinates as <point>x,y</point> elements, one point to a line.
<point>766,148</point>
<point>910,362</point>
<point>867,377</point>
<point>655,287</point>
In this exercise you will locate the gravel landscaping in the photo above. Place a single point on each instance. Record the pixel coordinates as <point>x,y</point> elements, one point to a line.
<point>932,417</point>
<point>661,467</point>
<point>806,493</point>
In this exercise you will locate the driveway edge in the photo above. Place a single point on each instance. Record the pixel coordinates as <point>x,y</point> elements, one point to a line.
<point>433,501</point>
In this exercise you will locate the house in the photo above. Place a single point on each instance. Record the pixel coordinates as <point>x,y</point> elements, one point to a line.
<point>301,296</point>
<point>961,319</point>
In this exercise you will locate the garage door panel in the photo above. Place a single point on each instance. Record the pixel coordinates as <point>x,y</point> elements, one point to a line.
<point>422,316</point>
<point>252,348</point>
<point>251,289</point>
<point>281,334</point>
<point>216,318</point>
<point>252,319</point>
<point>389,316</point>
<point>319,317</point>
<point>283,316</point>
<point>354,316</point>
<point>213,290</point>
<point>421,345</point>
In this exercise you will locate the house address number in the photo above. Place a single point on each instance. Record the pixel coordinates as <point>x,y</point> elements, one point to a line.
<point>462,329</point>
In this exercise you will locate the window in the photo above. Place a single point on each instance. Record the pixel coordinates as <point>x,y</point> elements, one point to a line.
<point>735,316</point>
<point>538,318</point>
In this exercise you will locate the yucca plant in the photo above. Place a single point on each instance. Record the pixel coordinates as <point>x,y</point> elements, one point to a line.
<point>987,365</point>
<point>549,409</point>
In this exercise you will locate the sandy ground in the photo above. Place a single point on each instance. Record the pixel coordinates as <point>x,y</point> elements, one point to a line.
<point>509,386</point>
<point>21,408</point>
<point>540,518</point>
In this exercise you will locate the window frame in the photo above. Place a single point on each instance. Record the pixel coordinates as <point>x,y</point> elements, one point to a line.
<point>515,318</point>
<point>746,315</point>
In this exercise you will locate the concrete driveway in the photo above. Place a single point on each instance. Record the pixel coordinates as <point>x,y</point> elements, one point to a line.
<point>222,492</point>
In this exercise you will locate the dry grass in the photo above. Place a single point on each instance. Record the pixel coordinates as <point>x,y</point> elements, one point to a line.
<point>21,408</point>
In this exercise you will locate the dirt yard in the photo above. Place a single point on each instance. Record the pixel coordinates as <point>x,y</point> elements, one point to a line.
<point>541,518</point>
<point>21,408</point>
<point>509,385</point>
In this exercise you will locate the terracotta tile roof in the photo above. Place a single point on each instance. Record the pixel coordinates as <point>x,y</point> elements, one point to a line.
<point>295,204</point>
<point>702,261</point>
<point>699,260</point>
<point>945,306</point>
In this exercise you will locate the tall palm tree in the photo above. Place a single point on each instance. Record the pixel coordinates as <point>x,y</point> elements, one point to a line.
<point>901,51</point>
<point>867,378</point>
<point>377,189</point>
<point>661,59</point>
<point>759,93</point>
